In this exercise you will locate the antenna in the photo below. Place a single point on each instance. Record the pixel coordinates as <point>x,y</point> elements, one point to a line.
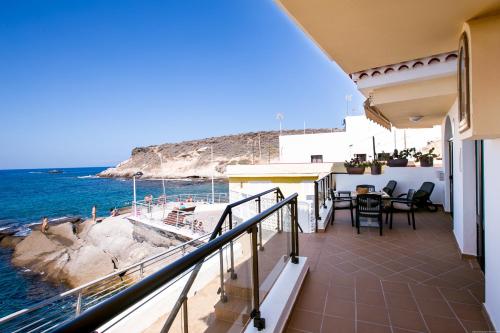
<point>280,116</point>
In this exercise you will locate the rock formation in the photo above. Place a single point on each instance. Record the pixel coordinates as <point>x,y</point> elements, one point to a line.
<point>76,255</point>
<point>188,159</point>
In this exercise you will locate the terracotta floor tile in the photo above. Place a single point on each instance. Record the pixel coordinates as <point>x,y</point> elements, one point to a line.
<point>366,280</point>
<point>437,308</point>
<point>396,287</point>
<point>395,266</point>
<point>380,271</point>
<point>459,296</point>
<point>407,320</point>
<point>340,308</point>
<point>312,298</point>
<point>342,279</point>
<point>400,301</point>
<point>370,297</point>
<point>426,292</point>
<point>337,325</point>
<point>363,327</point>
<point>416,275</point>
<point>475,326</point>
<point>341,293</point>
<point>443,325</point>
<point>372,314</point>
<point>305,321</point>
<point>467,311</point>
<point>347,267</point>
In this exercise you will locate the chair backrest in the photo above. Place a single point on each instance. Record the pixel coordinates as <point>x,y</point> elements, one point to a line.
<point>410,194</point>
<point>390,187</point>
<point>344,194</point>
<point>371,188</point>
<point>423,194</point>
<point>369,203</point>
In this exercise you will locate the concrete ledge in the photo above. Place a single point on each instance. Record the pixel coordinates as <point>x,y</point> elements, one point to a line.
<point>278,304</point>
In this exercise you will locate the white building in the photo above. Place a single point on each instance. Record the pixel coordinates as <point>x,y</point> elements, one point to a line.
<point>357,138</point>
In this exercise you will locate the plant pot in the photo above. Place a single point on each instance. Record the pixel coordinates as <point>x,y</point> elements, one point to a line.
<point>398,162</point>
<point>427,161</point>
<point>355,170</point>
<point>376,169</point>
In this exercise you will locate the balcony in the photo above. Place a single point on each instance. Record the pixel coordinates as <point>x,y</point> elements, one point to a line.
<point>406,281</point>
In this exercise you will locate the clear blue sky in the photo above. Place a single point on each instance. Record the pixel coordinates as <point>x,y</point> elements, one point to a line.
<point>83,82</point>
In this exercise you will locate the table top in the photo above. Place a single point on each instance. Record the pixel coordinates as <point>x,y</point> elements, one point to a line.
<point>354,194</point>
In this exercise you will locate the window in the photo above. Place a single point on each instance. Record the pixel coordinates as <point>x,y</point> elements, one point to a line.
<point>316,158</point>
<point>360,157</point>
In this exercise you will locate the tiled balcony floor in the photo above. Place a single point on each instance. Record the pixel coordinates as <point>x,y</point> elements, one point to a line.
<point>404,281</point>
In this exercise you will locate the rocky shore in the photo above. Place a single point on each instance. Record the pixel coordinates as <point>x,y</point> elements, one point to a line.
<point>74,253</point>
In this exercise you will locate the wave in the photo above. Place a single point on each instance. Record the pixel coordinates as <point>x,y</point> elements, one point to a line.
<point>87,177</point>
<point>35,172</point>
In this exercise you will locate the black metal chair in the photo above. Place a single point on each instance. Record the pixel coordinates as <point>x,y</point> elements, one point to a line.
<point>371,188</point>
<point>390,187</point>
<point>369,205</point>
<point>422,197</point>
<point>342,200</point>
<point>404,203</point>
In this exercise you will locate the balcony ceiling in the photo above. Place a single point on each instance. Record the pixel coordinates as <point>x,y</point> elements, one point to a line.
<point>363,34</point>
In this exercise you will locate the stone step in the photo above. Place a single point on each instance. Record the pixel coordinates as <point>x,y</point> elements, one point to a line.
<point>234,310</point>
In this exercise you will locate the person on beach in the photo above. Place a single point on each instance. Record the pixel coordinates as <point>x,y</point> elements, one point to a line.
<point>94,213</point>
<point>45,224</point>
<point>113,212</point>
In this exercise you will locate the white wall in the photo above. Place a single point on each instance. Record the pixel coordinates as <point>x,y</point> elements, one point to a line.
<point>406,177</point>
<point>464,189</point>
<point>357,139</point>
<point>492,228</point>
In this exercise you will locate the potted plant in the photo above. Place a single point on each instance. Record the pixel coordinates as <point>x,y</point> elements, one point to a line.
<point>375,166</point>
<point>425,159</point>
<point>355,166</point>
<point>400,158</point>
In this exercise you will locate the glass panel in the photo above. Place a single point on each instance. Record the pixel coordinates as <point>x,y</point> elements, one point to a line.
<point>274,248</point>
<point>215,308</point>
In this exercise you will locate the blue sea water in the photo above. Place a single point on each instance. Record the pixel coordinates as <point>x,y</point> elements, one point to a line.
<point>28,195</point>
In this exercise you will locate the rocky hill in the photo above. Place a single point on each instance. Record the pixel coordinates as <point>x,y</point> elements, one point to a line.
<point>190,159</point>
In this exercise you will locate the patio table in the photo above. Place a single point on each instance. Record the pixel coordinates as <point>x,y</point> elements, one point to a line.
<point>367,221</point>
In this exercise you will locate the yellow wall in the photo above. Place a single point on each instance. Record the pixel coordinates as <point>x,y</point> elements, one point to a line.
<point>251,185</point>
<point>484,49</point>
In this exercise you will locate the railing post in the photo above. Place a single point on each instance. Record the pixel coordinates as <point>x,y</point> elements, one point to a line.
<point>258,322</point>
<point>234,276</point>
<point>259,208</point>
<point>223,296</point>
<point>324,192</point>
<point>278,213</point>
<point>316,204</point>
<point>185,316</point>
<point>78,309</point>
<point>294,231</point>
<point>296,226</point>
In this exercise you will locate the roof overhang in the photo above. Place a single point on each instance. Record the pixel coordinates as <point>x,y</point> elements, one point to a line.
<point>364,34</point>
<point>412,94</point>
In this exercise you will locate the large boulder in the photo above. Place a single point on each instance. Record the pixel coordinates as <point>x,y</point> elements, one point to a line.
<point>79,253</point>
<point>86,264</point>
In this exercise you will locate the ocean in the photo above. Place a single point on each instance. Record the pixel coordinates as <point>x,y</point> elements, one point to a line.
<point>28,195</point>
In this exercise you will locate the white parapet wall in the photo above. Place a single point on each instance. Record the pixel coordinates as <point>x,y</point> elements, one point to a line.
<point>406,177</point>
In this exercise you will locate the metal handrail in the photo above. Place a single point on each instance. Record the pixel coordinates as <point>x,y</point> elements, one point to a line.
<point>322,188</point>
<point>217,231</point>
<point>100,314</point>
